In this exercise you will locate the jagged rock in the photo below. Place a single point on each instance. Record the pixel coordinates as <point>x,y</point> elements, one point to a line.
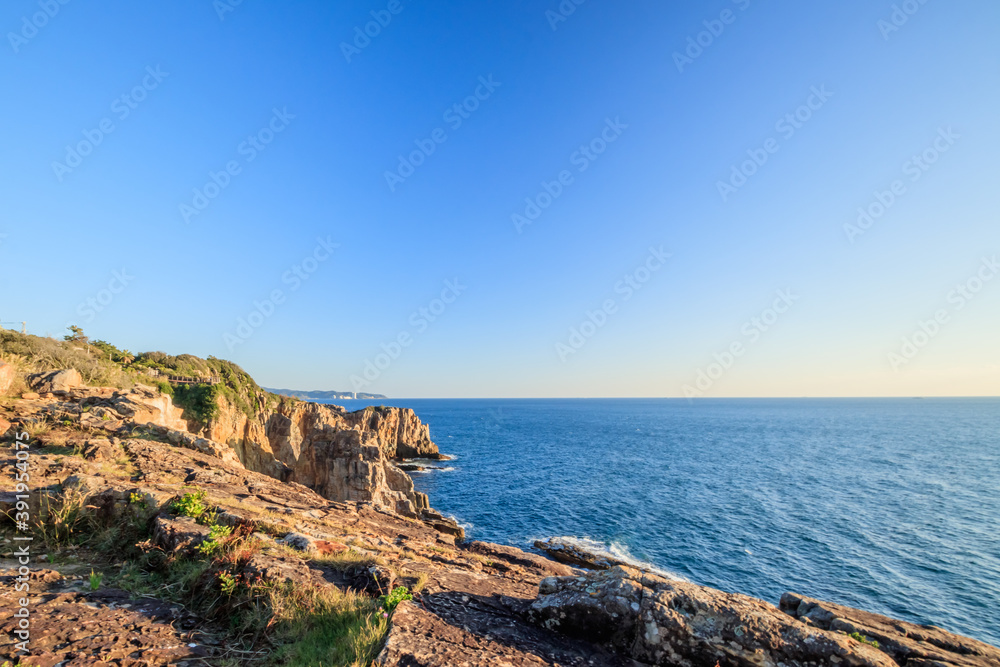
<point>573,554</point>
<point>662,622</point>
<point>180,533</point>
<point>55,382</point>
<point>100,449</point>
<point>907,643</point>
<point>449,527</point>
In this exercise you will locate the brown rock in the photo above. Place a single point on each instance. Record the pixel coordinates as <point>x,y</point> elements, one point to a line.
<point>30,395</point>
<point>7,376</point>
<point>662,622</point>
<point>180,533</point>
<point>56,382</point>
<point>566,551</point>
<point>908,643</point>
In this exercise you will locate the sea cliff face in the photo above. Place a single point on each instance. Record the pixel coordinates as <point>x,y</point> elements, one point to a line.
<point>344,456</point>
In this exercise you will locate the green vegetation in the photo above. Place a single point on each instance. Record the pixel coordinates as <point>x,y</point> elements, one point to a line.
<point>95,580</point>
<point>200,401</point>
<point>102,364</point>
<point>190,504</point>
<point>397,595</point>
<point>216,537</point>
<point>864,640</point>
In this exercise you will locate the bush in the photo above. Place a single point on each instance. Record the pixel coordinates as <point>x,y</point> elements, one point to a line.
<point>192,505</point>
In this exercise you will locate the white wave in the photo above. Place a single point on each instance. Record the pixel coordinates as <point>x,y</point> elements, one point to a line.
<point>619,552</point>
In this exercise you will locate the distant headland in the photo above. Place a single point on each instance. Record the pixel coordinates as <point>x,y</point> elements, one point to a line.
<point>325,395</point>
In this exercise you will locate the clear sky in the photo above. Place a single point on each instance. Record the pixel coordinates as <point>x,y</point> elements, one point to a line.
<point>677,183</point>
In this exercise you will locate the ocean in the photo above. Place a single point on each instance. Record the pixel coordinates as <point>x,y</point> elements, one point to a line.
<point>888,505</point>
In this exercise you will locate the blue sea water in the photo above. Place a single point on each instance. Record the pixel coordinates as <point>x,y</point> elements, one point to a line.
<point>888,505</point>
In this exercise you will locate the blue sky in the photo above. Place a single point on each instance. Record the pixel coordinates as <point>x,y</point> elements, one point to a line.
<point>765,291</point>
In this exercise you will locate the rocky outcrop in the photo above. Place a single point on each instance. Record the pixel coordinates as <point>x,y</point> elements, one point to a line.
<point>340,464</point>
<point>661,622</point>
<point>907,643</point>
<point>55,382</point>
<point>569,552</point>
<point>402,433</point>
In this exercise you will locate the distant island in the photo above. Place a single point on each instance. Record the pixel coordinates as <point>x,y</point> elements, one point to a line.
<point>325,395</point>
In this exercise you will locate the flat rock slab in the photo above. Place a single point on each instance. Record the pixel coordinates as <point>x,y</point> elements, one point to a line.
<point>479,637</point>
<point>106,627</point>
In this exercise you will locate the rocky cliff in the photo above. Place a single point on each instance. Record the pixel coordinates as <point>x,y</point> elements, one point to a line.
<point>343,456</point>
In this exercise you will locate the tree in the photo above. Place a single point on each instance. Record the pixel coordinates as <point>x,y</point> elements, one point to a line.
<point>76,335</point>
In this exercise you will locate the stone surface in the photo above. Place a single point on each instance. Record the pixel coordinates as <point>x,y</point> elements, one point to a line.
<point>178,534</point>
<point>907,643</point>
<point>55,382</point>
<point>7,376</point>
<point>75,628</point>
<point>568,552</point>
<point>662,622</point>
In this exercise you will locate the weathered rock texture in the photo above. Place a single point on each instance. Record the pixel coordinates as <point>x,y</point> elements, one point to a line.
<point>908,643</point>
<point>343,456</point>
<point>662,622</point>
<point>55,381</point>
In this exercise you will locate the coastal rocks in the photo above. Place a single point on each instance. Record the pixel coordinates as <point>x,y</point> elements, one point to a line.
<point>55,382</point>
<point>340,464</point>
<point>907,643</point>
<point>662,622</point>
<point>569,552</point>
<point>402,433</point>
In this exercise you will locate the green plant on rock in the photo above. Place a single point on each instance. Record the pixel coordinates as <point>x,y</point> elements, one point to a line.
<point>863,639</point>
<point>191,504</point>
<point>397,595</point>
<point>95,580</point>
<point>216,537</point>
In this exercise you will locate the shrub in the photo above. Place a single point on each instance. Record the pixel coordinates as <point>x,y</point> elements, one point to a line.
<point>191,504</point>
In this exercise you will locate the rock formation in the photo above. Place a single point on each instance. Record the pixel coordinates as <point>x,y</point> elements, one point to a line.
<point>908,643</point>
<point>662,622</point>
